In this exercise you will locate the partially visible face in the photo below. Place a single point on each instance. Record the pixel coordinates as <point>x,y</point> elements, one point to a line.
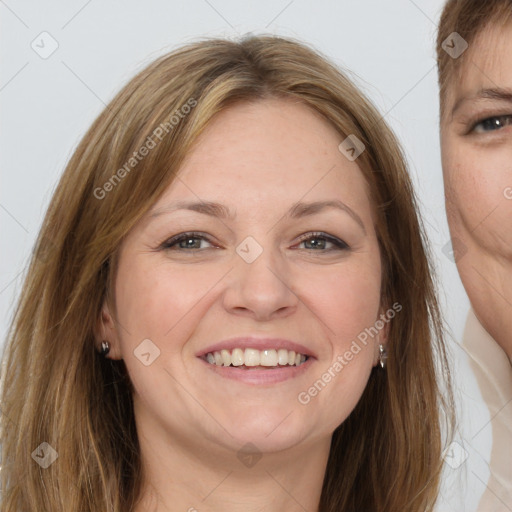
<point>476,141</point>
<point>188,280</point>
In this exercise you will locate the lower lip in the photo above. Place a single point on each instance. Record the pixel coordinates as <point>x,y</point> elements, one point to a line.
<point>259,377</point>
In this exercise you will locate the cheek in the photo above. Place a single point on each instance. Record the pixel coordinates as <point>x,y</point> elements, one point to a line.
<point>346,299</point>
<point>160,304</point>
<point>153,300</point>
<point>460,178</point>
<point>476,181</point>
<point>347,303</point>
<point>354,312</point>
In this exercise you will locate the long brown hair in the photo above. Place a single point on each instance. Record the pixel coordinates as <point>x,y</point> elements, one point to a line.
<point>387,456</point>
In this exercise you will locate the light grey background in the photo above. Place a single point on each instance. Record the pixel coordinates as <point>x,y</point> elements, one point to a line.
<point>48,103</point>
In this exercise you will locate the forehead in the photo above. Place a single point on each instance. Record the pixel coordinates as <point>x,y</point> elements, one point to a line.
<point>487,64</point>
<point>274,142</point>
<point>273,119</point>
<point>264,156</point>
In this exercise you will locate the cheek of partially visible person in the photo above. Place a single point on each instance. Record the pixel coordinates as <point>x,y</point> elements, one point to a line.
<point>476,143</point>
<point>478,185</point>
<point>318,292</point>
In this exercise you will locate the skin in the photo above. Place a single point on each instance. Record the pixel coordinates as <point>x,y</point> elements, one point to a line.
<point>476,145</point>
<point>259,160</point>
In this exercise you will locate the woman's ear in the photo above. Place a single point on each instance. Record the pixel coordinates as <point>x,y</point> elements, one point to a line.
<point>106,329</point>
<point>381,338</point>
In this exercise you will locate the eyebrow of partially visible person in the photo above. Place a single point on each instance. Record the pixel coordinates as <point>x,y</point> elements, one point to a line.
<point>485,94</point>
<point>298,210</point>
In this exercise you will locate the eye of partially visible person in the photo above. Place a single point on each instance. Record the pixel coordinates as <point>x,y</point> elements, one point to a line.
<point>492,124</point>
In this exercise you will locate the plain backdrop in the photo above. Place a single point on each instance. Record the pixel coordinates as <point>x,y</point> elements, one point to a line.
<point>48,102</point>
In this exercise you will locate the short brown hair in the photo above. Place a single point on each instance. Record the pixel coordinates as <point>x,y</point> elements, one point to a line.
<point>468,18</point>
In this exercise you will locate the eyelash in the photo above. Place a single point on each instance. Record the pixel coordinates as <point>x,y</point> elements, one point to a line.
<point>505,120</point>
<point>318,235</point>
<point>171,242</point>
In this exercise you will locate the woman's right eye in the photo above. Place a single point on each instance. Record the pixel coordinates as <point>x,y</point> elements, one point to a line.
<point>492,124</point>
<point>185,241</point>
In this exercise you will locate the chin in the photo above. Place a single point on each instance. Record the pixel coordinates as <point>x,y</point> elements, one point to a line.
<point>268,432</point>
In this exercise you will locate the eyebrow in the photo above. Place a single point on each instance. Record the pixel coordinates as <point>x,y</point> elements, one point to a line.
<point>205,207</point>
<point>298,210</point>
<point>485,94</point>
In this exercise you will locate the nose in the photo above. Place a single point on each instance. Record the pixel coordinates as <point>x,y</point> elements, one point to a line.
<point>261,289</point>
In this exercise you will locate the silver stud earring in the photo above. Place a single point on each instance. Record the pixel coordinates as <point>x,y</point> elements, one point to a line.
<point>383,355</point>
<point>105,348</point>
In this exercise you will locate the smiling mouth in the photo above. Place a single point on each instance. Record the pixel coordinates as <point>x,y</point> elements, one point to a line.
<point>251,358</point>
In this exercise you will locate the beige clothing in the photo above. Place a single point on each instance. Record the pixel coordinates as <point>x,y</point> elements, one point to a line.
<point>493,371</point>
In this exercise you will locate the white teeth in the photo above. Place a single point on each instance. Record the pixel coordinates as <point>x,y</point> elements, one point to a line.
<point>253,357</point>
<point>268,358</point>
<point>226,357</point>
<point>237,357</point>
<point>282,356</point>
<point>218,358</point>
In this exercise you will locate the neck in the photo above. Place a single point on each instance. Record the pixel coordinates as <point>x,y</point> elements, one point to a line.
<point>187,476</point>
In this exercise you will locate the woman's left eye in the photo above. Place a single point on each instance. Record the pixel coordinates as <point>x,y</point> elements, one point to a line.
<point>320,241</point>
<point>492,124</point>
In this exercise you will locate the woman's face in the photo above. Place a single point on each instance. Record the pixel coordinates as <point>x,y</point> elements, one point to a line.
<point>261,258</point>
<point>476,140</point>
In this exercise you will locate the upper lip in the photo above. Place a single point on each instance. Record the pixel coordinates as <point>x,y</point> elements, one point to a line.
<point>257,343</point>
